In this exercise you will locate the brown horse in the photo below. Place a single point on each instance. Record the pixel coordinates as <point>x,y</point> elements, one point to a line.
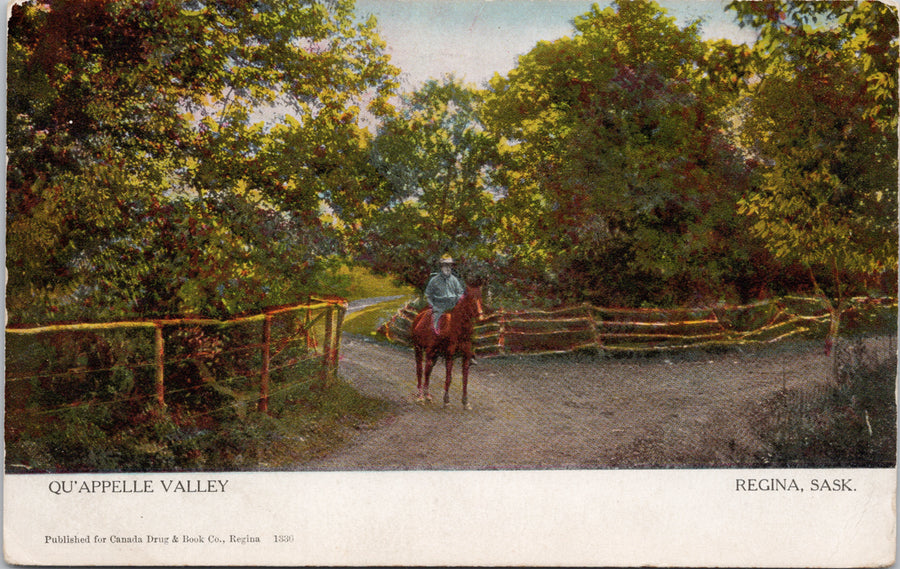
<point>455,337</point>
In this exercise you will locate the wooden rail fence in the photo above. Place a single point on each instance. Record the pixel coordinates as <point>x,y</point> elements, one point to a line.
<point>588,327</point>
<point>315,325</point>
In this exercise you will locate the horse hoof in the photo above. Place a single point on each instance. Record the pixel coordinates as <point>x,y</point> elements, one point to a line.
<point>467,406</point>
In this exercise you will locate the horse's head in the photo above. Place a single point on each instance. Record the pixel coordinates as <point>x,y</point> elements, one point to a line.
<point>473,299</point>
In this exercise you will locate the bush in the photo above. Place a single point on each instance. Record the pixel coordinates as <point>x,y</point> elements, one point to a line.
<point>307,416</point>
<point>851,423</point>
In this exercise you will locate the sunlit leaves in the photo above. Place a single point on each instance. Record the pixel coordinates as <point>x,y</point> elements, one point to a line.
<point>861,34</point>
<point>821,120</point>
<point>435,162</point>
<point>132,126</point>
<point>615,145</point>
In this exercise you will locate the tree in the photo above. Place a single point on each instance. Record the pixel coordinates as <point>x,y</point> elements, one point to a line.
<point>435,162</point>
<point>620,178</point>
<point>142,178</point>
<point>822,121</point>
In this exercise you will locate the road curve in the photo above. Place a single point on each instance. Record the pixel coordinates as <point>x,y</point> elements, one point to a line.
<point>566,412</point>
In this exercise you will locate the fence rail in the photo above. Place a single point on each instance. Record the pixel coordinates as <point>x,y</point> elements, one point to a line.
<point>305,332</point>
<point>584,326</point>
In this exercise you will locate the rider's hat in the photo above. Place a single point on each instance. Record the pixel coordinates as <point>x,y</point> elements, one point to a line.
<point>446,259</point>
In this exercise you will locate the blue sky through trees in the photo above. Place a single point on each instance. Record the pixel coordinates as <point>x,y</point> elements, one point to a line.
<point>475,38</point>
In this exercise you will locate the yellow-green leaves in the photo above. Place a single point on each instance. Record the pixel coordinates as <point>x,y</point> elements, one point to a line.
<point>821,122</point>
<point>146,167</point>
<point>614,141</point>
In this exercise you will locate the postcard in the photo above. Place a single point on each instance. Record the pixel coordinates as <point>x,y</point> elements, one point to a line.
<point>451,282</point>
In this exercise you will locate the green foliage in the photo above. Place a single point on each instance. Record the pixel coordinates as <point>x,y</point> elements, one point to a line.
<point>620,182</point>
<point>152,174</point>
<point>825,137</point>
<point>434,159</point>
<point>821,121</point>
<point>143,178</point>
<point>805,32</point>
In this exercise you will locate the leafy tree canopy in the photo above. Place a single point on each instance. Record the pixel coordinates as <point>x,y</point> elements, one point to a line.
<point>619,176</point>
<point>435,161</point>
<point>821,120</point>
<point>138,150</point>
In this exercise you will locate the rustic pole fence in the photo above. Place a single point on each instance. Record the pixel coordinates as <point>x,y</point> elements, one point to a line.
<point>637,330</point>
<point>341,312</point>
<point>327,346</point>
<point>160,353</point>
<point>592,320</point>
<point>332,309</point>
<point>501,335</point>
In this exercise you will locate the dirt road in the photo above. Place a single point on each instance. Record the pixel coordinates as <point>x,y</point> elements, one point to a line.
<point>568,412</point>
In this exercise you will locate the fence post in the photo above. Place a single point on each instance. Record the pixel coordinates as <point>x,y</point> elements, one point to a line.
<point>310,339</point>
<point>501,341</point>
<point>264,373</point>
<point>326,347</point>
<point>593,322</point>
<point>160,365</point>
<point>336,346</point>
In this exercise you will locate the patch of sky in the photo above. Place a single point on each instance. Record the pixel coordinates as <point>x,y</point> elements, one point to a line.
<point>473,39</point>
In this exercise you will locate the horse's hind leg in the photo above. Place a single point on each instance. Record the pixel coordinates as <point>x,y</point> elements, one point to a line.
<point>419,373</point>
<point>448,360</point>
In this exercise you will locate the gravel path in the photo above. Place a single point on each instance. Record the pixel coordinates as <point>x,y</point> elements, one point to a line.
<point>568,411</point>
<point>355,305</point>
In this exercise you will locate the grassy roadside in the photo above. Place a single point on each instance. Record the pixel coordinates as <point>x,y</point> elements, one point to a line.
<point>366,321</point>
<point>307,427</point>
<point>363,283</point>
<point>307,418</point>
<point>847,424</point>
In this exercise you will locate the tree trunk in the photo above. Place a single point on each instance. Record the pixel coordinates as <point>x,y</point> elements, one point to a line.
<point>832,339</point>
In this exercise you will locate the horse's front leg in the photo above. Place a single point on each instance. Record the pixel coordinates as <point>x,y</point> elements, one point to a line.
<point>448,359</point>
<point>419,370</point>
<point>466,362</point>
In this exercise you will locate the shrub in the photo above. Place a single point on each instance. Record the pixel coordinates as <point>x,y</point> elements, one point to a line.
<point>851,423</point>
<point>306,416</point>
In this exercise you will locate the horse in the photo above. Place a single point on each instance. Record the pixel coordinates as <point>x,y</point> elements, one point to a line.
<point>454,338</point>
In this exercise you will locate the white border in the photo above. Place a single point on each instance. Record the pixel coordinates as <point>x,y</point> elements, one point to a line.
<point>549,518</point>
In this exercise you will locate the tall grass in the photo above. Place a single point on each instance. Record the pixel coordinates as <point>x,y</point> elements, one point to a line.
<point>305,418</point>
<point>849,423</point>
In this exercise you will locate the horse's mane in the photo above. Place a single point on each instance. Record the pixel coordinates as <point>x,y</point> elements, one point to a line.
<point>467,305</point>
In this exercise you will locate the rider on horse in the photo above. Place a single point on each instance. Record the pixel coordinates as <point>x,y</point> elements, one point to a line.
<point>443,291</point>
<point>453,310</point>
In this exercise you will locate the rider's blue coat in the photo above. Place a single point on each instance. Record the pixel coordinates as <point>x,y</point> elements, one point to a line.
<point>443,292</point>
